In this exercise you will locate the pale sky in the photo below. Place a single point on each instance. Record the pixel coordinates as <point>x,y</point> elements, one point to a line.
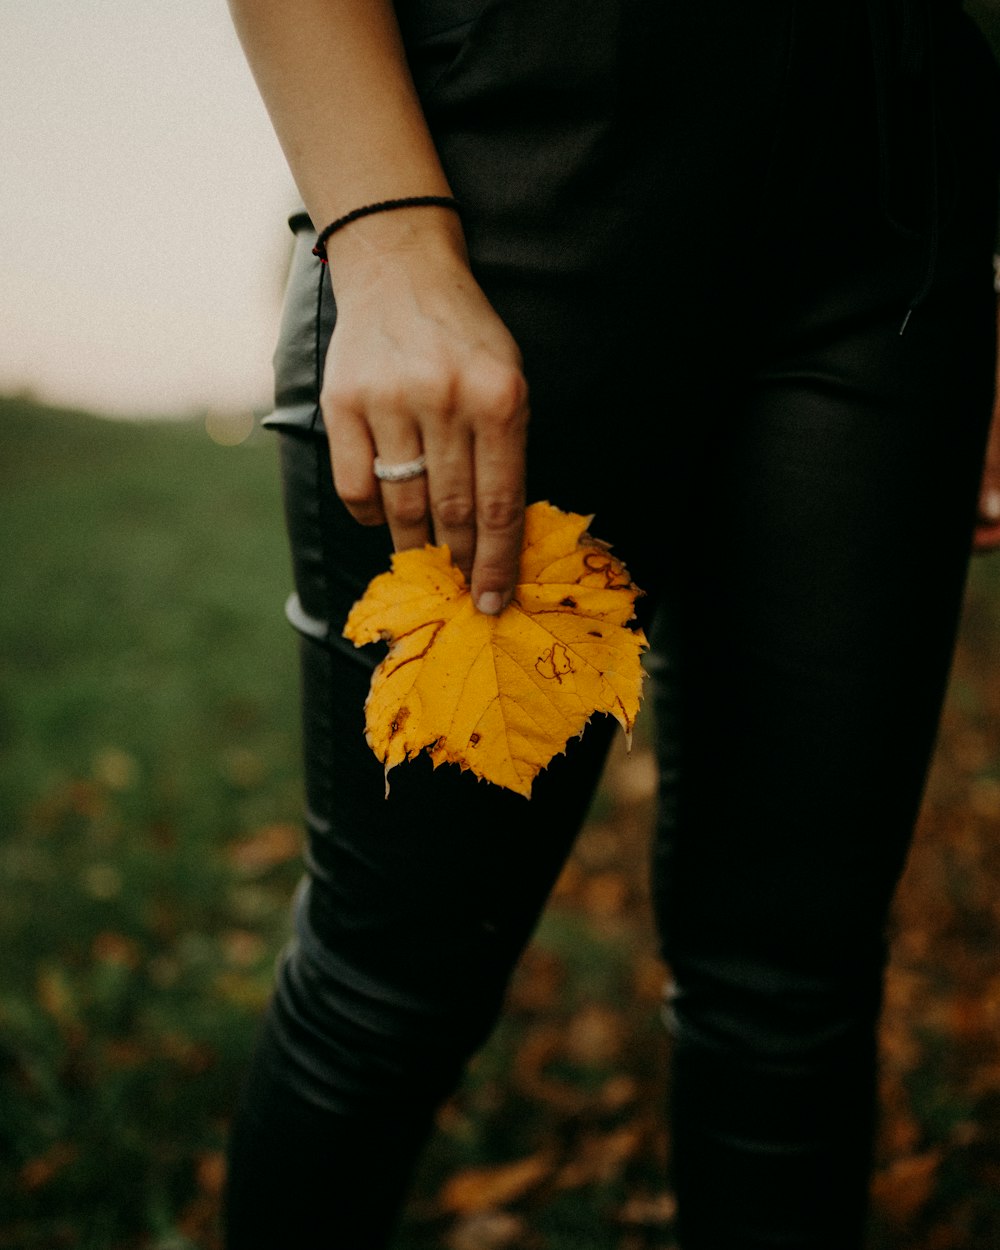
<point>143,199</point>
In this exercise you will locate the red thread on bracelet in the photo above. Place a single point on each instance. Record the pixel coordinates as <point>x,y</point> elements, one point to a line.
<point>408,201</point>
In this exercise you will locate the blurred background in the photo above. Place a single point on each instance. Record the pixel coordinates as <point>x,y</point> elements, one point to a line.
<point>149,755</point>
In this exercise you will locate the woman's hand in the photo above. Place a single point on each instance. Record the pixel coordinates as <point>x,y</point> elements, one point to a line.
<point>420,363</point>
<point>986,536</point>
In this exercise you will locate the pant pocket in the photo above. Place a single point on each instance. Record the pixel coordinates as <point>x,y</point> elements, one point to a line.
<point>307,317</point>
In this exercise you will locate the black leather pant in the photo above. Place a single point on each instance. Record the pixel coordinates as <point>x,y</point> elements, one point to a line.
<point>709,311</point>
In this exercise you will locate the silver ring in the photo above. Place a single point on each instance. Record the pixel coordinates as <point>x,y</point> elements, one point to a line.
<point>399,472</point>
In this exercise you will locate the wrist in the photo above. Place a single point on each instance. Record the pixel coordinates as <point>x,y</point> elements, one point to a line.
<point>377,237</point>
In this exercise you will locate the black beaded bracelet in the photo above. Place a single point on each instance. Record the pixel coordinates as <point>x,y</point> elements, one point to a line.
<point>408,201</point>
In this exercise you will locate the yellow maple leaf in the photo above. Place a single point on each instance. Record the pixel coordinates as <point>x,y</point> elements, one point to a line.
<point>501,695</point>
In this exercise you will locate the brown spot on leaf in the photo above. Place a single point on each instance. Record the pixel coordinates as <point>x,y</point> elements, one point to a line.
<point>615,576</point>
<point>568,602</point>
<point>555,663</point>
<point>474,740</point>
<point>398,721</point>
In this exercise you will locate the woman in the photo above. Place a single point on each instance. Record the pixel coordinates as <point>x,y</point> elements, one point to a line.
<point>736,260</point>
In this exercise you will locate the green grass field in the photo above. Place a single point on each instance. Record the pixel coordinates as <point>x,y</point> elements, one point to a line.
<point>149,808</point>
<point>148,724</point>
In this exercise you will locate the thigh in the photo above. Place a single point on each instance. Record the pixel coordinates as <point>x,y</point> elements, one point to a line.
<point>813,606</point>
<point>816,627</point>
<point>812,620</point>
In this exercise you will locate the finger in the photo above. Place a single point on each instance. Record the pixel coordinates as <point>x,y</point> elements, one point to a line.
<point>352,452</point>
<point>405,503</point>
<point>452,497</point>
<point>500,505</point>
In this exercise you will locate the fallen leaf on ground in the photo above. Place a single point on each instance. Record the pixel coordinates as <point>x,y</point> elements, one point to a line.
<point>481,1189</point>
<point>501,695</point>
<point>906,1185</point>
<point>489,1230</point>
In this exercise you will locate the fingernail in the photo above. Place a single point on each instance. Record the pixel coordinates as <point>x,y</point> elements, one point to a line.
<point>490,602</point>
<point>991,505</point>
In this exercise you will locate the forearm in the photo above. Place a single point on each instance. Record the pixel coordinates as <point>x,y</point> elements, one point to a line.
<point>334,79</point>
